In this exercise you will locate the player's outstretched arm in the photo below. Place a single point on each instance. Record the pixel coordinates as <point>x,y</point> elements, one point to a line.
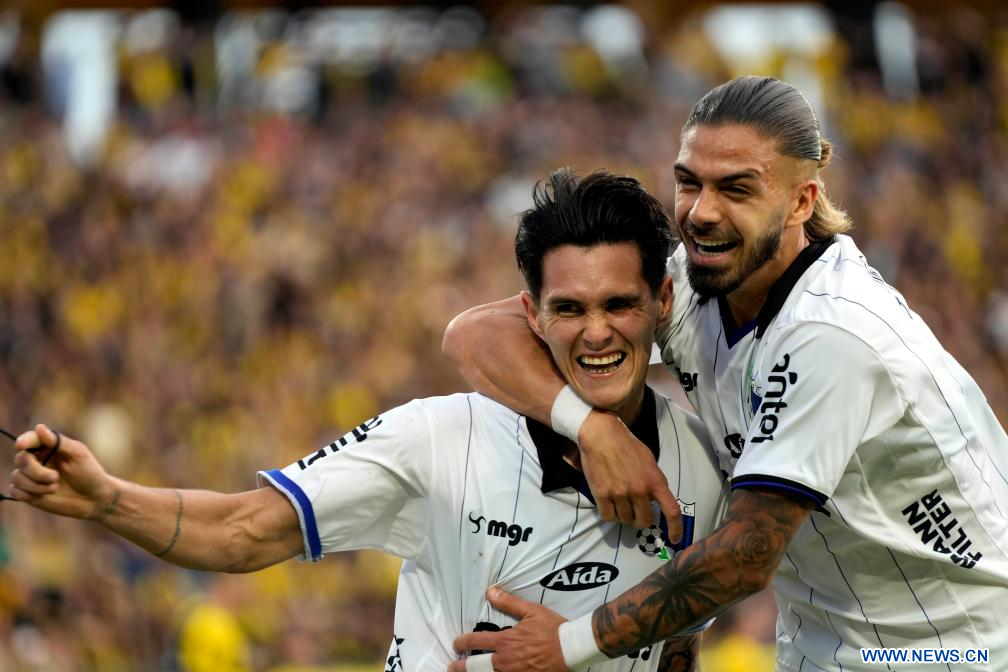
<point>497,352</point>
<point>192,528</point>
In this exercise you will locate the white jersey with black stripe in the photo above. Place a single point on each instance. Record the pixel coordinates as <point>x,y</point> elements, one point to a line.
<point>473,495</point>
<point>839,392</point>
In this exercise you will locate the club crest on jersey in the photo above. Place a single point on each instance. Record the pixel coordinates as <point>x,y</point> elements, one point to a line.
<point>654,540</point>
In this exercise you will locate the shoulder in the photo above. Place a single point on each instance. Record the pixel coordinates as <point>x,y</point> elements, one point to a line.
<point>842,290</point>
<point>461,410</point>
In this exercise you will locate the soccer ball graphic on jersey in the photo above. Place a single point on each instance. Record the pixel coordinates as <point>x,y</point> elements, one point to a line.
<point>650,540</point>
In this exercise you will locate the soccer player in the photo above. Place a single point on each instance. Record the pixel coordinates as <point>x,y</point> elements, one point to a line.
<point>468,492</point>
<point>868,473</point>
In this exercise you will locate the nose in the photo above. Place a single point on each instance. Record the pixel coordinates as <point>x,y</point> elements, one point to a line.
<point>597,333</point>
<point>705,210</point>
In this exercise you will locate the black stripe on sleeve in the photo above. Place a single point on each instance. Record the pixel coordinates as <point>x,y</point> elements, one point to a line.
<point>778,483</point>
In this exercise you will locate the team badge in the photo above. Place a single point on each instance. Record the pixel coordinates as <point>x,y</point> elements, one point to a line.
<point>654,540</point>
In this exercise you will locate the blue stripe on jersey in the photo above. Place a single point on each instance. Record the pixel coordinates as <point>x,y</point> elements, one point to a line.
<point>763,481</point>
<point>849,587</point>
<point>907,582</point>
<point>304,507</point>
<point>514,513</point>
<point>465,491</point>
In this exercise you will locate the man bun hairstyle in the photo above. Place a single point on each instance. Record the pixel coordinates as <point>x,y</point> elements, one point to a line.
<point>600,209</point>
<point>779,111</point>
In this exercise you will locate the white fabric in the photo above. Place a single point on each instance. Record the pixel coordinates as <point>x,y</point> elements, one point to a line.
<point>577,642</point>
<point>452,485</point>
<point>848,398</point>
<point>481,662</point>
<point>568,413</point>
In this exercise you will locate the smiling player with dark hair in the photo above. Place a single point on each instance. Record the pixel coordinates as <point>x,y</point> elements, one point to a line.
<point>468,492</point>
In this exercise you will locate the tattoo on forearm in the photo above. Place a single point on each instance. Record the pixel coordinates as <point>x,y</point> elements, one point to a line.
<point>706,577</point>
<point>679,655</point>
<point>178,528</point>
<point>107,508</point>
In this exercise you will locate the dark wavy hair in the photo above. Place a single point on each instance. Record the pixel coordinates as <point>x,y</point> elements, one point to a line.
<point>600,209</point>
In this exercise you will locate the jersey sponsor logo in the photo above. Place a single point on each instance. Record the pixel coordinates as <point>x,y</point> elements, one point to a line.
<point>654,540</point>
<point>483,626</point>
<point>394,661</point>
<point>687,380</point>
<point>931,518</point>
<point>735,444</point>
<point>580,576</point>
<point>513,532</point>
<point>772,404</point>
<point>358,433</point>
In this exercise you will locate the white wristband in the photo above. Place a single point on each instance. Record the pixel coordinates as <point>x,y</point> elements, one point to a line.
<point>577,643</point>
<point>568,413</point>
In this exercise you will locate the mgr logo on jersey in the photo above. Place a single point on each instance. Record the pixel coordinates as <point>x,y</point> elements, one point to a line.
<point>654,540</point>
<point>769,400</point>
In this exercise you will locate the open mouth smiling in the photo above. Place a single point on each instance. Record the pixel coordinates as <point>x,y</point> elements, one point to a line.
<point>712,248</point>
<point>602,364</point>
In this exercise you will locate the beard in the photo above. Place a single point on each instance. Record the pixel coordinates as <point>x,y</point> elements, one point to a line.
<point>709,282</point>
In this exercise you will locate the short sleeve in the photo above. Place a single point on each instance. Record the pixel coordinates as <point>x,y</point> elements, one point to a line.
<point>817,393</point>
<point>366,489</point>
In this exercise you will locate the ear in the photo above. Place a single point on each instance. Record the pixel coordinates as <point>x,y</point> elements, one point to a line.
<point>808,193</point>
<point>665,299</point>
<point>531,313</point>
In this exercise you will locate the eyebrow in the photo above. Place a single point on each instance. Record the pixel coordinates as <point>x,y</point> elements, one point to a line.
<point>627,298</point>
<point>748,174</point>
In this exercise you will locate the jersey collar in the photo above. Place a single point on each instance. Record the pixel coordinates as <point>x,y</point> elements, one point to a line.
<point>780,290</point>
<point>557,473</point>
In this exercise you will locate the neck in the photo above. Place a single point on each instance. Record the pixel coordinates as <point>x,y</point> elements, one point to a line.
<point>746,301</point>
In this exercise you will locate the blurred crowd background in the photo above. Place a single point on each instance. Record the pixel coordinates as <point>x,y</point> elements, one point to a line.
<point>229,235</point>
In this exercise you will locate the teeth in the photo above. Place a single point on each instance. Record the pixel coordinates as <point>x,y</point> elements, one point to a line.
<point>711,247</point>
<point>602,360</point>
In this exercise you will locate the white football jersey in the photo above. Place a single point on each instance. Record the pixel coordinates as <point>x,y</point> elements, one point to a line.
<point>840,393</point>
<point>473,495</point>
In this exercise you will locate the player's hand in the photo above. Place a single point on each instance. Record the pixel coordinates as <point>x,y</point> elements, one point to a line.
<point>72,483</point>
<point>623,475</point>
<point>533,644</point>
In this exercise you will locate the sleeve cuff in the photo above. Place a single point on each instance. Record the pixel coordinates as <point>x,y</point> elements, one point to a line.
<point>778,483</point>
<point>302,505</point>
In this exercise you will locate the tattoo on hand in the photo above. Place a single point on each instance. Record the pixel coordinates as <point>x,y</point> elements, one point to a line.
<point>107,508</point>
<point>178,527</point>
<point>705,578</point>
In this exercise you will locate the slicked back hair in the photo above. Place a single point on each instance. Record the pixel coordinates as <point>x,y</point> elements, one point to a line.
<point>779,111</point>
<point>600,209</point>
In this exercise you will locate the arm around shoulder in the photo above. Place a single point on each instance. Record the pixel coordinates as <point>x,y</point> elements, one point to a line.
<point>498,354</point>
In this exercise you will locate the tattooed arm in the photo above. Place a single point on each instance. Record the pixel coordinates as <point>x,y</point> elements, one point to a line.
<point>681,654</point>
<point>738,560</point>
<point>199,529</point>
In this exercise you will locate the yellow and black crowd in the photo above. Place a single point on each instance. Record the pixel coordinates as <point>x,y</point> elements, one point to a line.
<point>225,284</point>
